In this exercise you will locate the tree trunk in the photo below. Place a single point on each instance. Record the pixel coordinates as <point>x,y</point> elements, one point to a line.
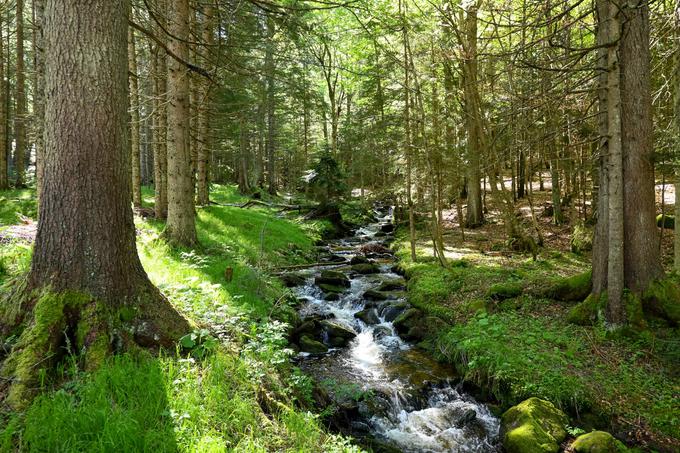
<point>271,92</point>
<point>160,148</point>
<point>625,251</point>
<point>4,180</point>
<point>204,115</point>
<point>407,134</point>
<point>20,113</point>
<point>676,116</point>
<point>39,88</point>
<point>181,226</point>
<point>134,120</point>
<point>85,247</point>
<point>473,120</point>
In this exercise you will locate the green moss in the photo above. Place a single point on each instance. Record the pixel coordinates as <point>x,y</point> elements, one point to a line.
<point>534,425</point>
<point>502,291</point>
<point>635,317</point>
<point>581,239</point>
<point>571,289</point>
<point>588,312</point>
<point>663,298</point>
<point>598,442</point>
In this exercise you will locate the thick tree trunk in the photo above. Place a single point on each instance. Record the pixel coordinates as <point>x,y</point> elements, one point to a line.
<point>626,253</point>
<point>85,247</point>
<point>4,179</point>
<point>20,113</point>
<point>181,225</point>
<point>134,121</point>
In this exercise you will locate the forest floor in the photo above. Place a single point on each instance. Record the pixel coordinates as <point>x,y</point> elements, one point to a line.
<point>513,343</point>
<point>229,386</point>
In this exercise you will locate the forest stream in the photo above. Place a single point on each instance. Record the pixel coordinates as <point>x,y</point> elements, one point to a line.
<point>384,389</point>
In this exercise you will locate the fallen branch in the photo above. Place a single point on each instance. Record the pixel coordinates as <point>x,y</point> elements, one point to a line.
<point>249,203</point>
<point>306,266</point>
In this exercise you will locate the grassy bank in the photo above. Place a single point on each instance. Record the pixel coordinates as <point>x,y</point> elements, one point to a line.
<point>506,338</point>
<point>236,389</point>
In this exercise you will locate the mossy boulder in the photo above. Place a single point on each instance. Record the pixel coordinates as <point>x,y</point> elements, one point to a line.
<point>358,259</point>
<point>392,311</point>
<point>334,278</point>
<point>598,442</point>
<point>571,289</point>
<point>412,325</point>
<point>393,285</point>
<point>533,426</point>
<point>372,294</point>
<point>312,346</point>
<point>292,280</point>
<point>502,291</point>
<point>663,299</point>
<point>665,221</point>
<point>368,316</point>
<point>366,268</point>
<point>331,289</point>
<point>337,334</point>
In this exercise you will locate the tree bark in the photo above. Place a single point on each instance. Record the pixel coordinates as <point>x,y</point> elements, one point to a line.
<point>39,88</point>
<point>407,133</point>
<point>160,148</point>
<point>4,179</point>
<point>134,120</point>
<point>676,116</point>
<point>181,226</point>
<point>271,108</point>
<point>20,113</point>
<point>204,114</point>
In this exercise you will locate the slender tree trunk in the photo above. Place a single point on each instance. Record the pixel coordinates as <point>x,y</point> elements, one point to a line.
<point>134,120</point>
<point>271,106</point>
<point>160,149</point>
<point>181,226</point>
<point>4,179</point>
<point>473,120</point>
<point>205,113</point>
<point>676,110</point>
<point>20,113</point>
<point>407,133</point>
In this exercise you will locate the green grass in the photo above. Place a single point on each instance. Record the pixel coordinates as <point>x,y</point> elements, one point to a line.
<point>16,203</point>
<point>524,346</point>
<point>243,395</point>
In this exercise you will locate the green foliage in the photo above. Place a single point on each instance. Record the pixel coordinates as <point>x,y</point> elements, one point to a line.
<point>581,239</point>
<point>571,289</point>
<point>665,221</point>
<point>16,203</point>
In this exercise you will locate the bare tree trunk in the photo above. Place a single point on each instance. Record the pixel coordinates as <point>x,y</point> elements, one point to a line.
<point>204,114</point>
<point>676,111</point>
<point>39,88</point>
<point>86,236</point>
<point>4,180</point>
<point>20,113</point>
<point>160,149</point>
<point>134,120</point>
<point>407,133</point>
<point>271,106</point>
<point>181,226</point>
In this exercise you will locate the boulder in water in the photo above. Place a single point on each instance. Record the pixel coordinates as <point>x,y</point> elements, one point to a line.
<point>381,332</point>
<point>407,320</point>
<point>468,417</point>
<point>393,310</point>
<point>598,442</point>
<point>393,285</point>
<point>335,259</point>
<point>387,228</point>
<point>366,268</point>
<point>330,290</point>
<point>372,294</point>
<point>334,278</point>
<point>337,334</point>
<point>535,425</point>
<point>368,316</point>
<point>358,259</point>
<point>292,280</point>
<point>312,346</point>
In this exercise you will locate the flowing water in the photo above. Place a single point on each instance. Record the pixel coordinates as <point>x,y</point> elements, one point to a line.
<point>413,404</point>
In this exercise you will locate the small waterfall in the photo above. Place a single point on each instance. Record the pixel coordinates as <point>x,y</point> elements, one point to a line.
<point>413,406</point>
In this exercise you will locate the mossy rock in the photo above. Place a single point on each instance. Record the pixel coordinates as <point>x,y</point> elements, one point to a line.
<point>337,334</point>
<point>331,289</point>
<point>533,426</point>
<point>667,221</point>
<point>598,442</point>
<point>407,320</point>
<point>292,280</point>
<point>372,294</point>
<point>663,299</point>
<point>474,306</point>
<point>393,285</point>
<point>312,346</point>
<point>368,316</point>
<point>366,268</point>
<point>358,259</point>
<point>334,278</point>
<point>502,291</point>
<point>393,310</point>
<point>571,289</point>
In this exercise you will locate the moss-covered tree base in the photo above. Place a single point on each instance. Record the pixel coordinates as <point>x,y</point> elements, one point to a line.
<point>45,328</point>
<point>571,289</point>
<point>592,310</point>
<point>662,299</point>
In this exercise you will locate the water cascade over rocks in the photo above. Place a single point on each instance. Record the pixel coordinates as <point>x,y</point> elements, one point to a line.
<point>386,392</point>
